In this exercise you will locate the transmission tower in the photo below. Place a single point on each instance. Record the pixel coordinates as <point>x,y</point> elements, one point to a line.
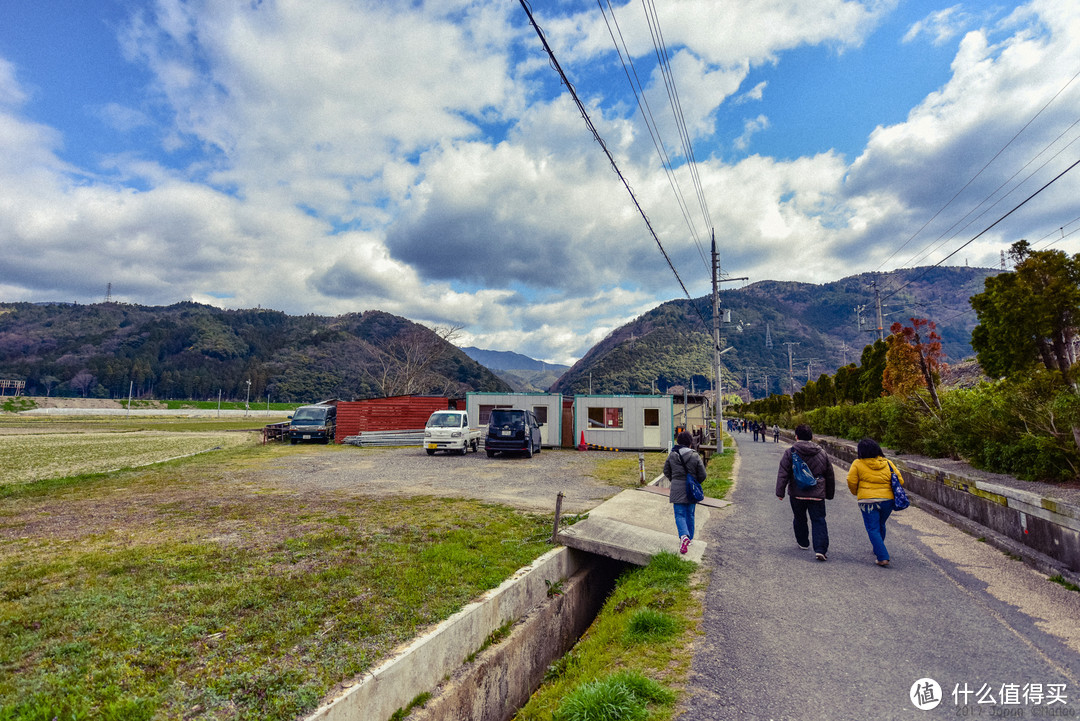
<point>768,335</point>
<point>108,292</point>
<point>790,369</point>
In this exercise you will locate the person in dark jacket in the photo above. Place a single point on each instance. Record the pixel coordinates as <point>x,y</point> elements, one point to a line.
<point>683,459</point>
<point>808,502</point>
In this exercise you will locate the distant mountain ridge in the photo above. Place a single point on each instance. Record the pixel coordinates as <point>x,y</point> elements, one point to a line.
<point>189,350</point>
<point>498,360</point>
<point>670,345</point>
<point>524,374</point>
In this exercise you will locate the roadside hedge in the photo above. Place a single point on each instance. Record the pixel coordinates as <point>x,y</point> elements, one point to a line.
<point>1019,426</point>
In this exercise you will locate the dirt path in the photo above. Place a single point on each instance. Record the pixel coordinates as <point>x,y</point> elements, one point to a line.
<point>527,483</point>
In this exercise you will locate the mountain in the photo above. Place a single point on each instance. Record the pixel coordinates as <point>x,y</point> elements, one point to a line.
<point>670,345</point>
<point>524,374</point>
<point>188,350</point>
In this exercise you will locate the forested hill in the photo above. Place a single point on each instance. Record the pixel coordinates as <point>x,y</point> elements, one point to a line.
<point>188,350</point>
<point>670,345</point>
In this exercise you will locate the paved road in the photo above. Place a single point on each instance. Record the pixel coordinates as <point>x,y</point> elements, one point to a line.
<point>788,637</point>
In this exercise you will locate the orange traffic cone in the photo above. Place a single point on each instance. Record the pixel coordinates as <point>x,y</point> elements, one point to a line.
<point>582,446</point>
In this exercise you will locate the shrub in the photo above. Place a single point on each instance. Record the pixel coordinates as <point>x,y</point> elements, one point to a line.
<point>621,697</point>
<point>648,624</point>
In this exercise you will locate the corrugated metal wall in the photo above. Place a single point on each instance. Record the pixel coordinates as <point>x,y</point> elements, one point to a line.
<point>397,413</point>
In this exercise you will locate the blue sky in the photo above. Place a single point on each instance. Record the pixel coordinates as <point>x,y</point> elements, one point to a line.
<point>423,159</point>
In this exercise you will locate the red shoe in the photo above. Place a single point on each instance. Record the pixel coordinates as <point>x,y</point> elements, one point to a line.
<point>685,544</point>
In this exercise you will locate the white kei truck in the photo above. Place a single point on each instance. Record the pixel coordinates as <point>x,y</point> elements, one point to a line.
<point>449,431</point>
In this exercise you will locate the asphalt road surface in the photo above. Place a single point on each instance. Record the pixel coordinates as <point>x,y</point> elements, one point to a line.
<point>788,637</point>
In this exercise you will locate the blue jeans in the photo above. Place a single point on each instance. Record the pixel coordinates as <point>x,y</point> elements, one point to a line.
<point>816,510</point>
<point>684,519</point>
<point>874,516</point>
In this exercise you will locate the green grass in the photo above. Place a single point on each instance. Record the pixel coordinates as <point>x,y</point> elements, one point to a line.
<point>623,469</point>
<point>199,589</point>
<point>17,404</point>
<point>1060,580</point>
<point>718,473</point>
<point>623,696</point>
<point>614,663</point>
<point>643,636</point>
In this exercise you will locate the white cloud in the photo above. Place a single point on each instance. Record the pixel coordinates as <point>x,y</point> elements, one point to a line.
<point>940,25</point>
<point>750,127</point>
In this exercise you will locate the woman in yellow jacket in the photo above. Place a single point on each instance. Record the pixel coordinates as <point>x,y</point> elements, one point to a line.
<point>870,480</point>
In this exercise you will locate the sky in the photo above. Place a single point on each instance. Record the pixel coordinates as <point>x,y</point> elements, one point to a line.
<point>423,158</point>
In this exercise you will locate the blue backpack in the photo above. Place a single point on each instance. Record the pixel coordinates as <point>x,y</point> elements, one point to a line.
<point>804,478</point>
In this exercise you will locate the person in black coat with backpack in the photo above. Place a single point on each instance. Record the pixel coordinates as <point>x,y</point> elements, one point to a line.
<point>683,460</point>
<point>807,500</point>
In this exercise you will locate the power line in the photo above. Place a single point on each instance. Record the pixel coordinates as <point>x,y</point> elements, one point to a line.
<point>596,135</point>
<point>986,229</point>
<point>638,89</point>
<point>983,168</point>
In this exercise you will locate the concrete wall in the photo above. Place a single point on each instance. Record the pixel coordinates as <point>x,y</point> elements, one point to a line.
<point>502,678</point>
<point>424,663</point>
<point>1050,528</point>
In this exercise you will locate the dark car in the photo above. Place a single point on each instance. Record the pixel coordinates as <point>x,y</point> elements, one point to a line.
<point>513,430</point>
<point>313,423</point>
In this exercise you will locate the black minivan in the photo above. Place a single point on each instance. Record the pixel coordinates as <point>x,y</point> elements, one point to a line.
<point>514,430</point>
<point>313,423</point>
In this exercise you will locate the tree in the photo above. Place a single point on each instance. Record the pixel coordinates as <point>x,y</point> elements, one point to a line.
<point>406,362</point>
<point>872,370</point>
<point>82,381</point>
<point>914,359</point>
<point>1029,315</point>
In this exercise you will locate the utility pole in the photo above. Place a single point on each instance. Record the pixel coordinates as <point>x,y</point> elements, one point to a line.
<point>809,364</point>
<point>790,369</point>
<point>718,410</point>
<point>877,304</point>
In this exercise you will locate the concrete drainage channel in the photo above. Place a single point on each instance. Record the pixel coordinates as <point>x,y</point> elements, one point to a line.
<point>500,679</point>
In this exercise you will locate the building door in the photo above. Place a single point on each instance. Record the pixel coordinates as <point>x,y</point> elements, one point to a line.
<point>652,437</point>
<point>541,413</point>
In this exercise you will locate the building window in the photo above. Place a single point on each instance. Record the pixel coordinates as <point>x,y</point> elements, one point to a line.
<point>607,418</point>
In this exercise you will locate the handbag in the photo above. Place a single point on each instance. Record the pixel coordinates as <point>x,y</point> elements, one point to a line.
<point>693,488</point>
<point>900,498</point>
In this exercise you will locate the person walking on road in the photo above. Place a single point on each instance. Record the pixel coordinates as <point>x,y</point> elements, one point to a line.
<point>775,433</point>
<point>808,502</point>
<point>870,481</point>
<point>683,460</point>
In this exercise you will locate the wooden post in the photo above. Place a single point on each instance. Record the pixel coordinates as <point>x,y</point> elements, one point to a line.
<point>558,512</point>
<point>641,468</point>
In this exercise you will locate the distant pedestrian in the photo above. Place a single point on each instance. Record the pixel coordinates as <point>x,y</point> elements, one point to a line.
<point>870,480</point>
<point>808,502</point>
<point>683,460</point>
<point>775,433</point>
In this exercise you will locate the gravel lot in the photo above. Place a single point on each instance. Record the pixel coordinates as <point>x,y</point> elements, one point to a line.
<point>527,483</point>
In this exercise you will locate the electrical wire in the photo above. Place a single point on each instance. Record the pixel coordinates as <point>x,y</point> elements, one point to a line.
<point>596,135</point>
<point>981,170</point>
<point>645,109</point>
<point>986,229</point>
